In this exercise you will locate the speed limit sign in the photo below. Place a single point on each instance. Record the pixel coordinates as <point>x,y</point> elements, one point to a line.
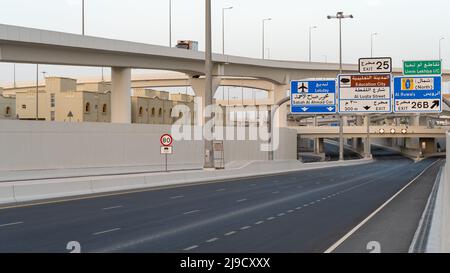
<point>166,140</point>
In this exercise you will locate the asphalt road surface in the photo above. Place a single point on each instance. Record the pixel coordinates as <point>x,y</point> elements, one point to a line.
<point>305,211</point>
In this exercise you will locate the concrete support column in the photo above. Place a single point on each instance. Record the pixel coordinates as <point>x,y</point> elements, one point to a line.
<point>121,95</point>
<point>198,85</point>
<point>278,93</point>
<point>320,146</point>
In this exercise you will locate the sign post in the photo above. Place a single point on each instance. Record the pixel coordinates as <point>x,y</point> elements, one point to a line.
<point>375,65</point>
<point>313,97</point>
<point>412,68</point>
<point>419,94</point>
<point>166,141</point>
<point>364,94</point>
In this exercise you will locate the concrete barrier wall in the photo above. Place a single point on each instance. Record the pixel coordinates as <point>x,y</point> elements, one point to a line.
<point>32,145</point>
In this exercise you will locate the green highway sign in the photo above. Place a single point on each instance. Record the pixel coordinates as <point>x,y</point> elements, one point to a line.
<point>422,68</point>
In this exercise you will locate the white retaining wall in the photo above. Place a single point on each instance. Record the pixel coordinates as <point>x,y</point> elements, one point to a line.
<point>38,145</point>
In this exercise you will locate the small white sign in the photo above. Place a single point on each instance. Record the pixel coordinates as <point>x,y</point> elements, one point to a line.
<point>375,65</point>
<point>166,150</point>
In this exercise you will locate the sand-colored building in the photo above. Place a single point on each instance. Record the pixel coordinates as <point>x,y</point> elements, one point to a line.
<point>7,106</point>
<point>60,100</point>
<point>155,107</point>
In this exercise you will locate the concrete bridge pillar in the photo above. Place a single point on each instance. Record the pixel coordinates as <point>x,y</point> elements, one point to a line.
<point>121,95</point>
<point>199,86</point>
<point>319,146</point>
<point>278,93</point>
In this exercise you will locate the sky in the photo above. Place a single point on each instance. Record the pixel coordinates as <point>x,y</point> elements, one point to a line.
<point>408,29</point>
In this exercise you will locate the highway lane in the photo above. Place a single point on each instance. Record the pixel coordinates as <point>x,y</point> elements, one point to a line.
<point>305,211</point>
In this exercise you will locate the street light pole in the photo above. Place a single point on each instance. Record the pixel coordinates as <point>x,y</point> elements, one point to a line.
<point>263,36</point>
<point>223,28</point>
<point>440,47</point>
<point>14,75</point>
<point>170,23</point>
<point>82,17</point>
<point>340,15</point>
<point>209,160</point>
<point>371,43</point>
<point>310,30</point>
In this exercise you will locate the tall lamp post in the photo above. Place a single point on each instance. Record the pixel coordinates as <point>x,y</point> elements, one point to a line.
<point>340,15</point>
<point>310,31</point>
<point>440,47</point>
<point>82,17</point>
<point>170,23</point>
<point>209,159</point>
<point>263,36</point>
<point>372,36</point>
<point>223,28</point>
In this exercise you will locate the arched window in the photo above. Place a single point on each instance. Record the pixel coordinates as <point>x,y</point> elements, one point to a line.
<point>87,108</point>
<point>8,111</point>
<point>160,112</point>
<point>153,111</point>
<point>141,110</point>
<point>105,108</point>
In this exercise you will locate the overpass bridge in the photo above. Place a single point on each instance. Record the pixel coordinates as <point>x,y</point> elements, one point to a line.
<point>29,45</point>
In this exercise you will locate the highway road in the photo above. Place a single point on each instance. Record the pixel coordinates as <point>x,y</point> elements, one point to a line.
<point>305,211</point>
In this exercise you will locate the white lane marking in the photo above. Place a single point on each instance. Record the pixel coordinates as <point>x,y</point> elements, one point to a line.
<point>270,218</point>
<point>221,189</point>
<point>177,197</point>
<point>190,248</point>
<point>105,231</point>
<point>110,208</point>
<point>298,208</point>
<point>290,211</point>
<point>281,214</point>
<point>275,192</point>
<point>312,203</point>
<point>241,200</point>
<point>191,212</point>
<point>259,222</point>
<point>246,227</point>
<point>230,233</point>
<point>11,224</point>
<point>346,236</point>
<point>318,200</point>
<point>305,205</point>
<point>324,198</point>
<point>212,240</point>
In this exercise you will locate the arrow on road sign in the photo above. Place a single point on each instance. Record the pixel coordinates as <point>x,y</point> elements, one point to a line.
<point>367,107</point>
<point>330,109</point>
<point>435,104</point>
<point>305,109</point>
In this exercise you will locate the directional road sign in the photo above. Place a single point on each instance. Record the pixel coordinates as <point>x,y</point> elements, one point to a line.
<point>422,68</point>
<point>313,97</point>
<point>375,65</point>
<point>364,93</point>
<point>420,94</point>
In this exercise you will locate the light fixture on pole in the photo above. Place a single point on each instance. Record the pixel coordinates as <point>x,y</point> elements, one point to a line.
<point>310,30</point>
<point>223,28</point>
<point>340,15</point>
<point>371,42</point>
<point>440,47</point>
<point>37,91</point>
<point>263,36</point>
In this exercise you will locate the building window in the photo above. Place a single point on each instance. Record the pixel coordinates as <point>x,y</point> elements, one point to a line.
<point>8,111</point>
<point>24,106</point>
<point>104,108</point>
<point>52,115</point>
<point>160,112</point>
<point>52,100</point>
<point>141,110</point>
<point>153,111</point>
<point>87,108</point>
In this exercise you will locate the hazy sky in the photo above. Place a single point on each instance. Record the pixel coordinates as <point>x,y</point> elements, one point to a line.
<point>409,29</point>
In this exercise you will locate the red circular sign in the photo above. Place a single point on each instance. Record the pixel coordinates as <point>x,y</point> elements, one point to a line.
<point>166,140</point>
